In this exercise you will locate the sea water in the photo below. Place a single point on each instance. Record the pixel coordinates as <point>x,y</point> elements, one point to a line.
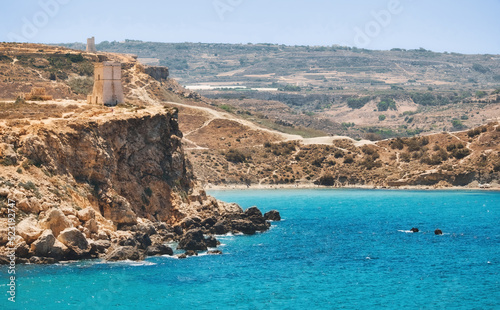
<point>334,249</point>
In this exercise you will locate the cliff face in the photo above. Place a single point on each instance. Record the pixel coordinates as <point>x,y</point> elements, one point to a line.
<point>98,180</point>
<point>135,165</point>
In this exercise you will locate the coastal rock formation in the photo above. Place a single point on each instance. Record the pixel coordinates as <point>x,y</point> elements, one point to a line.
<point>272,215</point>
<point>438,232</point>
<point>414,230</point>
<point>115,187</point>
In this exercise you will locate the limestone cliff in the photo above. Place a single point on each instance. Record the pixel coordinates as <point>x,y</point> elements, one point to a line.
<point>98,179</point>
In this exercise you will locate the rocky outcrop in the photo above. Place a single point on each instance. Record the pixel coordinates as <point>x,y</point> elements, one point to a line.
<point>272,215</point>
<point>157,73</point>
<point>124,253</point>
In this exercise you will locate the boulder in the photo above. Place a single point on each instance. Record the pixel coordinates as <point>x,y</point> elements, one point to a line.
<point>43,245</point>
<point>42,260</point>
<point>86,214</point>
<point>193,240</point>
<point>119,210</point>
<point>74,240</point>
<point>143,240</point>
<point>28,229</point>
<point>211,242</point>
<point>221,228</point>
<point>178,230</point>
<point>92,226</point>
<point>125,252</point>
<point>214,252</point>
<point>253,212</point>
<point>159,249</point>
<point>191,222</point>
<point>191,253</point>
<point>56,221</point>
<point>4,191</point>
<point>101,245</point>
<point>438,232</point>
<point>414,230</point>
<point>209,222</point>
<point>75,222</point>
<point>58,251</point>
<point>25,206</point>
<point>272,215</point>
<point>22,250</point>
<point>244,226</point>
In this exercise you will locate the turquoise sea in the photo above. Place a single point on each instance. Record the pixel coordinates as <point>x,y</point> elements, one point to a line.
<point>335,249</point>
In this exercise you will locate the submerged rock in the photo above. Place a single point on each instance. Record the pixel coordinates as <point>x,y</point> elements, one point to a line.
<point>414,230</point>
<point>438,232</point>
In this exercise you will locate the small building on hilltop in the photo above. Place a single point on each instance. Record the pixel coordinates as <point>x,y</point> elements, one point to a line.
<point>108,88</point>
<point>91,45</point>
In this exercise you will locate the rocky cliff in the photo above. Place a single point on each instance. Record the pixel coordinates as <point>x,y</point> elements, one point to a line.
<point>101,182</point>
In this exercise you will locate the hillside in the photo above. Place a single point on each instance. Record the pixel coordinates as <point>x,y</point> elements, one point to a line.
<point>335,90</point>
<point>82,181</point>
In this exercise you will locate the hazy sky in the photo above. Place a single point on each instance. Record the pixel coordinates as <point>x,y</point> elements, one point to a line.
<point>464,26</point>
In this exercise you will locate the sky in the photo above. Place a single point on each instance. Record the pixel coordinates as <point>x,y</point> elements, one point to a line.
<point>463,26</point>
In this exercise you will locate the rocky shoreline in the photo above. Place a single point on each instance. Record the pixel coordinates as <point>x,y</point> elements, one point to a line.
<point>49,242</point>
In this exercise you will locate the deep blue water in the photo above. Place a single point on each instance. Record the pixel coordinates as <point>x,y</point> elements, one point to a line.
<point>335,249</point>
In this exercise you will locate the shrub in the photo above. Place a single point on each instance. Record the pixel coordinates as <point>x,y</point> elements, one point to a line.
<point>338,153</point>
<point>406,157</point>
<point>386,104</point>
<point>457,124</point>
<point>480,68</point>
<point>326,180</point>
<point>348,159</point>
<point>381,117</point>
<point>81,85</point>
<point>235,156</point>
<point>357,103</point>
<point>397,144</point>
<point>460,153</point>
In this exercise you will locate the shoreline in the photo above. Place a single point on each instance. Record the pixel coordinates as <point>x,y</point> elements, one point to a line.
<point>208,187</point>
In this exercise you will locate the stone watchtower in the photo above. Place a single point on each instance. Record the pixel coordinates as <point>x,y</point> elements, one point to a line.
<point>108,88</point>
<point>91,45</point>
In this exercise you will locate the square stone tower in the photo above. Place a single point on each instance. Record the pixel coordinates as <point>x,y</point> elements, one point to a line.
<point>108,88</point>
<point>91,45</point>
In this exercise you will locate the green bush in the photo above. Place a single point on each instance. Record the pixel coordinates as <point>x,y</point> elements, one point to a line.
<point>235,156</point>
<point>480,68</point>
<point>358,103</point>
<point>457,124</point>
<point>326,180</point>
<point>81,85</point>
<point>386,104</point>
<point>381,117</point>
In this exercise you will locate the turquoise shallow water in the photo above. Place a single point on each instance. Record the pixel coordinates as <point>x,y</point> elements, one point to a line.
<point>335,249</point>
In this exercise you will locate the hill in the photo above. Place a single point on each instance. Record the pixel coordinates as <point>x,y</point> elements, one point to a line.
<point>335,90</point>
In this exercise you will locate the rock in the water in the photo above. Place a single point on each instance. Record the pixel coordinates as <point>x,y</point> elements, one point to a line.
<point>159,249</point>
<point>125,252</point>
<point>253,212</point>
<point>28,229</point>
<point>182,256</point>
<point>221,228</point>
<point>414,230</point>
<point>44,243</point>
<point>438,232</point>
<point>244,226</point>
<point>272,215</point>
<point>193,240</point>
<point>56,221</point>
<point>191,253</point>
<point>215,252</point>
<point>211,242</point>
